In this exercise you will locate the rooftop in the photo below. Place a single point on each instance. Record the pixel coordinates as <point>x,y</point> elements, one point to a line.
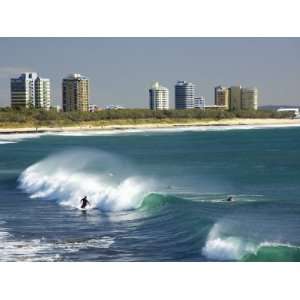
<point>75,76</point>
<point>157,86</point>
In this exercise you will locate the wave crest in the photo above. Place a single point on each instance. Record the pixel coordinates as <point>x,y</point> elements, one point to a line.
<point>70,175</point>
<point>231,248</point>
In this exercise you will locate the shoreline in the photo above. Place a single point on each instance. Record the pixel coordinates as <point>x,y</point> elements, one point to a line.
<point>204,123</point>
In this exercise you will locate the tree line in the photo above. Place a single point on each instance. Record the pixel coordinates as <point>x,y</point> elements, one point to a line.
<point>52,117</point>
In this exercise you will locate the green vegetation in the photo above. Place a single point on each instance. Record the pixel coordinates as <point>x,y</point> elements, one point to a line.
<point>40,118</point>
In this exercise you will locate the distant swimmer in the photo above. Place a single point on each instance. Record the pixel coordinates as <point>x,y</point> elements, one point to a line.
<point>229,199</point>
<point>84,202</point>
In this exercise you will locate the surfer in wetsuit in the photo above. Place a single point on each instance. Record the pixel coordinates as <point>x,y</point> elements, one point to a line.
<point>84,202</point>
<point>229,199</point>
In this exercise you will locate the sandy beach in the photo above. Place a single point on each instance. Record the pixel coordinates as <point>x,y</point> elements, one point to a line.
<point>223,122</point>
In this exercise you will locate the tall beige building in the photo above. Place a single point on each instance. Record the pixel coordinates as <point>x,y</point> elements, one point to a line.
<point>75,93</point>
<point>249,98</point>
<point>222,96</point>
<point>235,93</point>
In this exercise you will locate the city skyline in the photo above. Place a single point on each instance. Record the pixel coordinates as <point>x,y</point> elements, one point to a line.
<point>29,90</point>
<point>122,69</point>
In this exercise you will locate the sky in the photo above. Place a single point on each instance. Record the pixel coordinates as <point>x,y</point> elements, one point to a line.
<point>121,70</point>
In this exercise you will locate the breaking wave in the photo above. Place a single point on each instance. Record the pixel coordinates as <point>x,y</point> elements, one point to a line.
<point>220,247</point>
<point>108,181</point>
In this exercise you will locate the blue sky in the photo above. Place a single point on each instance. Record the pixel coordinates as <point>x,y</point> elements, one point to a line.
<point>122,69</point>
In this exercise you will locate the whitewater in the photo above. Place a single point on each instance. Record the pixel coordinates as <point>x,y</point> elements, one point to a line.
<point>69,176</point>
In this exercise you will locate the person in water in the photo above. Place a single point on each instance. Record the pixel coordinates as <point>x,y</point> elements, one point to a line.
<point>229,199</point>
<point>84,202</point>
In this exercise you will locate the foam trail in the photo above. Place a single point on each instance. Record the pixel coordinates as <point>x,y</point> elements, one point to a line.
<point>18,137</point>
<point>12,249</point>
<point>70,175</point>
<point>7,142</point>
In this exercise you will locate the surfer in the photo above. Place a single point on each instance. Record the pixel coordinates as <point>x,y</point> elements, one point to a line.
<point>229,199</point>
<point>84,202</point>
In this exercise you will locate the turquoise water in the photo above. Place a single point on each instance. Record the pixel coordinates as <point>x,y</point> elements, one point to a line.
<point>155,195</point>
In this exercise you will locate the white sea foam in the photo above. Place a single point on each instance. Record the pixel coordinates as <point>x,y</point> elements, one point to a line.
<point>222,247</point>
<point>66,177</point>
<point>12,249</point>
<point>7,142</point>
<point>120,131</point>
<point>12,138</point>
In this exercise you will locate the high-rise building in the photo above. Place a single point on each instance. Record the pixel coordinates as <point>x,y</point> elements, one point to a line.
<point>235,93</point>
<point>249,98</point>
<point>75,93</point>
<point>42,93</point>
<point>199,102</point>
<point>158,97</point>
<point>222,96</point>
<point>184,95</point>
<point>30,91</point>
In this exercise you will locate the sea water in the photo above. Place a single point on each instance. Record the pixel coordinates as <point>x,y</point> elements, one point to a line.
<point>156,195</point>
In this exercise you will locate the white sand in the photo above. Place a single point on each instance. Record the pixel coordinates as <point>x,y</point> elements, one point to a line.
<point>223,122</point>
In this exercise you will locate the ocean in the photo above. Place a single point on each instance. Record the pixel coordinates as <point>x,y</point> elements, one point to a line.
<point>155,195</point>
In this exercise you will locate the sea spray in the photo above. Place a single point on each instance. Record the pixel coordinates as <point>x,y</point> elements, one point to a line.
<point>108,181</point>
<point>221,247</point>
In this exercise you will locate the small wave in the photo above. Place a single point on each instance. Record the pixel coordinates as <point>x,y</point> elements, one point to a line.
<point>274,251</point>
<point>13,138</point>
<point>6,142</point>
<point>175,129</point>
<point>70,175</point>
<point>17,137</point>
<point>221,247</point>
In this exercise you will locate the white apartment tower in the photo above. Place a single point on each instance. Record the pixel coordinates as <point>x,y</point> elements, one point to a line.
<point>42,93</point>
<point>200,102</point>
<point>249,98</point>
<point>30,91</point>
<point>158,97</point>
